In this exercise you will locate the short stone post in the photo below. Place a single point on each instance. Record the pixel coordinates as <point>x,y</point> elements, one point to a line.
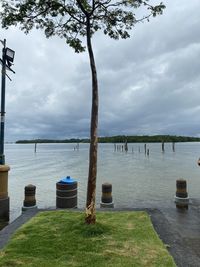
<point>4,199</point>
<point>106,198</point>
<point>181,198</point>
<point>29,199</point>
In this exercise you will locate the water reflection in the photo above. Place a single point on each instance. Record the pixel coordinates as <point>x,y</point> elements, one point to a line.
<point>135,177</point>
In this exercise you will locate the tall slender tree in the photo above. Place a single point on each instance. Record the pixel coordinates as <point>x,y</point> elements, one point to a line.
<point>73,20</point>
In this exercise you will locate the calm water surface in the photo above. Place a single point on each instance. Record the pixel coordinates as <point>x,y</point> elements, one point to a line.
<point>134,176</point>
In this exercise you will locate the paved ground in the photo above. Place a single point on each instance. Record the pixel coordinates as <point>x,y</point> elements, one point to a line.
<point>179,229</point>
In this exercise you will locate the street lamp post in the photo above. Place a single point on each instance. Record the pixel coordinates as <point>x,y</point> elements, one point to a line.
<point>6,61</point>
<point>3,86</point>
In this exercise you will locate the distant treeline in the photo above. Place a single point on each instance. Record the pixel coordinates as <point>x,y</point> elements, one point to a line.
<point>119,139</point>
<point>41,141</point>
<point>148,139</point>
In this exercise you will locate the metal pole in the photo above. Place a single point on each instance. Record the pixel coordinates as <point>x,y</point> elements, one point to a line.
<point>3,86</point>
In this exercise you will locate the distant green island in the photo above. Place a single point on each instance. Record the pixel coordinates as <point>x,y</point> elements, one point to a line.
<point>119,139</point>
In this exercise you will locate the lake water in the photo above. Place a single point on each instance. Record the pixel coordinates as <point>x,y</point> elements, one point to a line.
<point>135,177</point>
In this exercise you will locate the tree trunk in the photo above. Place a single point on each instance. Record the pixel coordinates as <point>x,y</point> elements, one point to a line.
<point>91,188</point>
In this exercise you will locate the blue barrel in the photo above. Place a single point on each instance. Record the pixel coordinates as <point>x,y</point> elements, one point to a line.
<point>66,193</point>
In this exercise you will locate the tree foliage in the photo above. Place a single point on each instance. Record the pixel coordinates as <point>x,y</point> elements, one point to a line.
<point>68,19</point>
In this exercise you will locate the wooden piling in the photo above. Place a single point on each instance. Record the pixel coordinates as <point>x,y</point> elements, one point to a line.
<point>173,146</point>
<point>145,149</point>
<point>163,146</point>
<point>126,146</point>
<point>35,147</point>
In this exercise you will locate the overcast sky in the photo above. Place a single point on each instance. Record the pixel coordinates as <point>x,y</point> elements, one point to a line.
<point>148,84</point>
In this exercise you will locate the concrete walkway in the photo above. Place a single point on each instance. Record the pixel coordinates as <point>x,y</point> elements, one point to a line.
<point>179,229</point>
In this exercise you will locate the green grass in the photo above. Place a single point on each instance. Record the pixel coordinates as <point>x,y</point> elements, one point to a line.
<point>60,238</point>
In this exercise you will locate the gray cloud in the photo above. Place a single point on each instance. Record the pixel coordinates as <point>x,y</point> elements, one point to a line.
<point>148,84</point>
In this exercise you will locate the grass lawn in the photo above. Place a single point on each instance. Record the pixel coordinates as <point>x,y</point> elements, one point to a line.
<point>60,238</point>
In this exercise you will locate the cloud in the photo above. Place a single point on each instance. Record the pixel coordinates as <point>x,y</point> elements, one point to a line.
<point>148,84</point>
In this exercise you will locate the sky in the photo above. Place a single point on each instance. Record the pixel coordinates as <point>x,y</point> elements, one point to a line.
<point>149,84</point>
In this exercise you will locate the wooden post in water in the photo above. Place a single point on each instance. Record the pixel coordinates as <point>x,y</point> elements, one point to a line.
<point>145,149</point>
<point>173,146</point>
<point>139,149</point>
<point>148,152</point>
<point>163,146</point>
<point>35,147</point>
<point>126,146</point>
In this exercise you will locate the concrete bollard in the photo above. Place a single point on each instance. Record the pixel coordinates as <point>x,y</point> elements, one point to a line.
<point>29,199</point>
<point>4,199</point>
<point>106,198</point>
<point>181,198</point>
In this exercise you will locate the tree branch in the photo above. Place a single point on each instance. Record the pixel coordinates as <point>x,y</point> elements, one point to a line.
<point>144,18</point>
<point>74,17</point>
<point>82,8</point>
